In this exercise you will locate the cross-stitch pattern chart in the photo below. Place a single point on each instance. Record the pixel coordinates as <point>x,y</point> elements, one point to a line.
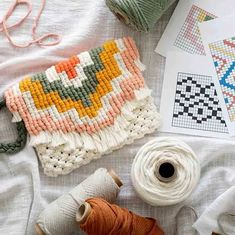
<point>223,54</point>
<point>197,105</point>
<point>189,38</point>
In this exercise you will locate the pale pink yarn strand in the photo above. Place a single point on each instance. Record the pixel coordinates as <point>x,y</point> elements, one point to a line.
<point>35,40</point>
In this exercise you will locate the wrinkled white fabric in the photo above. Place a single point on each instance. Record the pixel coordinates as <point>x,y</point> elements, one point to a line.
<point>86,24</point>
<point>215,215</point>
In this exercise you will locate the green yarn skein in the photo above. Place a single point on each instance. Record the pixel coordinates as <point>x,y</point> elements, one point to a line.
<point>20,142</point>
<point>139,14</point>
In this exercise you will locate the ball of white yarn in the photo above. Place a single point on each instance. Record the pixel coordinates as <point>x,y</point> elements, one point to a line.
<point>145,171</point>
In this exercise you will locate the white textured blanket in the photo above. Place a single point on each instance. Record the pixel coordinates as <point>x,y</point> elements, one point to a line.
<point>24,189</point>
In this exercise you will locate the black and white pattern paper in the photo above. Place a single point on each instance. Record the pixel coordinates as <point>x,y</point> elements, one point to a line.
<point>196,104</point>
<point>189,101</point>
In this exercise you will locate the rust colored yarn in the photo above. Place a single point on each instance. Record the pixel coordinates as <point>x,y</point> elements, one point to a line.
<point>110,219</point>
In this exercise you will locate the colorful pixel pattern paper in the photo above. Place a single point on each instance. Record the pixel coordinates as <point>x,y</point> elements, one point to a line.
<point>223,54</point>
<point>85,106</point>
<point>189,38</point>
<point>197,105</point>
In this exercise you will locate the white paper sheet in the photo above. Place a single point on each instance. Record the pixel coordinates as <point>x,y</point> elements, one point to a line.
<point>219,41</point>
<point>189,103</point>
<point>182,32</point>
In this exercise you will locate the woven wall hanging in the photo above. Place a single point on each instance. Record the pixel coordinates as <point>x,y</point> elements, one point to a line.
<point>84,107</point>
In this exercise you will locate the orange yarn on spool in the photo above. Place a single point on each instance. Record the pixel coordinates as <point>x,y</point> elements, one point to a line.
<point>109,219</point>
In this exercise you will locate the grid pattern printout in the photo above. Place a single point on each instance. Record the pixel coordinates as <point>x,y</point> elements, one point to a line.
<point>189,38</point>
<point>196,104</point>
<point>223,54</point>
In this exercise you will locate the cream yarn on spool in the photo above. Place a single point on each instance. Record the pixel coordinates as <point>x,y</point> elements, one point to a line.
<point>165,171</point>
<point>58,218</point>
<point>139,14</point>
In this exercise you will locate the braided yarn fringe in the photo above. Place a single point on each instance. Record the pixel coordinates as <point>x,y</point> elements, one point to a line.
<point>20,142</point>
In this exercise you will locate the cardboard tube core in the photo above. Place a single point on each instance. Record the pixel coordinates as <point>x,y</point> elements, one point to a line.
<point>83,213</point>
<point>39,230</point>
<point>166,171</point>
<point>122,17</point>
<point>115,177</point>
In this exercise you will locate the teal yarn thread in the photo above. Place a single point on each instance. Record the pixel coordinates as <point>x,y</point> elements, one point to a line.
<point>139,14</point>
<point>21,139</point>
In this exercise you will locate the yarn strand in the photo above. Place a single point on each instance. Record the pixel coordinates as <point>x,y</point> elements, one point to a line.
<point>35,40</point>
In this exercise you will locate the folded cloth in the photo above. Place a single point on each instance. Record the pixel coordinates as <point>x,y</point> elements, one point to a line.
<point>219,216</point>
<point>86,106</point>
